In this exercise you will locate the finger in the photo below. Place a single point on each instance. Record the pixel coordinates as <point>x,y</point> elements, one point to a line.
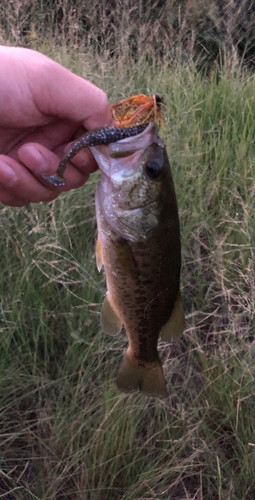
<point>84,160</point>
<point>40,161</point>
<point>8,178</point>
<point>23,187</point>
<point>18,186</point>
<point>51,136</point>
<point>10,200</point>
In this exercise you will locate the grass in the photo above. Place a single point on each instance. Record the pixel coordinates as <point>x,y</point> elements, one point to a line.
<point>66,432</point>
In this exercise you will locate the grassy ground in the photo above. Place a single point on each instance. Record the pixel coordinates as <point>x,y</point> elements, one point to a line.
<point>66,432</point>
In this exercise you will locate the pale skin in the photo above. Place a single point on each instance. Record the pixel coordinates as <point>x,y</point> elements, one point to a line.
<point>43,107</point>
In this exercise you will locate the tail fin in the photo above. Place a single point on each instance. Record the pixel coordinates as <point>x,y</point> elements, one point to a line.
<point>147,377</point>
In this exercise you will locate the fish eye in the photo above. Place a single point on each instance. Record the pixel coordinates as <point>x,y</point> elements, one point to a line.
<point>153,169</point>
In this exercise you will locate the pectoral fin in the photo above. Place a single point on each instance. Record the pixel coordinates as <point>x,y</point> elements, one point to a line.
<point>110,322</point>
<point>174,327</point>
<point>99,255</point>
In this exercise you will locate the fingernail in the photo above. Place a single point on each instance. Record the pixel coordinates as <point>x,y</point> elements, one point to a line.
<point>31,154</point>
<point>7,175</point>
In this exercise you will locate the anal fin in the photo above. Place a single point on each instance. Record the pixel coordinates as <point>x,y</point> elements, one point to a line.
<point>110,322</point>
<point>174,327</point>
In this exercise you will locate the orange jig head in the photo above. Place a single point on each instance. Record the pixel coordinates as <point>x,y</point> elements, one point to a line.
<point>139,109</point>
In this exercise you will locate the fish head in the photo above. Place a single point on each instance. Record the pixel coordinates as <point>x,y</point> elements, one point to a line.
<point>133,184</point>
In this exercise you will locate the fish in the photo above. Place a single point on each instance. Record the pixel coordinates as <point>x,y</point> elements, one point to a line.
<point>138,237</point>
<point>140,249</point>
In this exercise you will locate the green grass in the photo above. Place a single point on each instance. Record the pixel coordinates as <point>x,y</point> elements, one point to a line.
<point>66,432</point>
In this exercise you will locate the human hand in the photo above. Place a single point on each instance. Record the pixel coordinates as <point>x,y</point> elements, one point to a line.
<point>43,107</point>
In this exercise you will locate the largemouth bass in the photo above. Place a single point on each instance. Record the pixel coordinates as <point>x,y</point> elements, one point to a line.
<point>138,237</point>
<point>139,247</point>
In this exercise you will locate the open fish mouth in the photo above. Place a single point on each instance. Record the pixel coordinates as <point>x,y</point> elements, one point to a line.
<point>115,146</point>
<point>119,160</point>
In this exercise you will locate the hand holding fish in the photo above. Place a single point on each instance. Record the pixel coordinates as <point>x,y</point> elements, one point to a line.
<point>43,107</point>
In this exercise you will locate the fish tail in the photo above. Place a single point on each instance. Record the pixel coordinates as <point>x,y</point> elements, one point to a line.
<point>147,377</point>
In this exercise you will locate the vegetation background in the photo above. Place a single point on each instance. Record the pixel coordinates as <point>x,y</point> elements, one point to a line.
<point>66,432</point>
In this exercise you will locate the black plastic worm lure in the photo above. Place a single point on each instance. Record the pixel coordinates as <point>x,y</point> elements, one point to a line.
<point>98,137</point>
